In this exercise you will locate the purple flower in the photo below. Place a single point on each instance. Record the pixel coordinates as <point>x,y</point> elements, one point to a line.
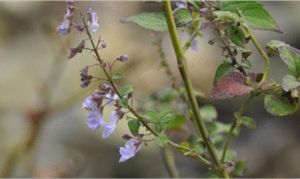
<point>180,4</point>
<point>77,49</point>
<point>94,120</point>
<point>85,77</point>
<point>92,20</point>
<point>109,127</point>
<point>132,146</point>
<point>111,98</point>
<point>65,27</point>
<point>123,58</point>
<point>89,104</point>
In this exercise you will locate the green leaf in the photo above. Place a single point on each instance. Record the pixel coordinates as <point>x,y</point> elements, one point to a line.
<point>182,16</point>
<point>279,106</point>
<point>208,113</point>
<point>222,70</point>
<point>194,3</point>
<point>152,116</point>
<point>289,55</point>
<point>254,13</point>
<point>218,127</point>
<point>153,21</point>
<point>116,76</point>
<point>170,121</point>
<point>239,168</point>
<point>226,16</point>
<point>289,82</point>
<point>134,126</point>
<point>248,122</point>
<point>126,90</point>
<point>161,140</point>
<point>246,64</point>
<point>236,35</point>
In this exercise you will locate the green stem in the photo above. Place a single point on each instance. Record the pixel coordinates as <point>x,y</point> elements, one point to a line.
<point>234,125</point>
<point>191,153</point>
<point>182,66</point>
<point>260,50</point>
<point>168,156</point>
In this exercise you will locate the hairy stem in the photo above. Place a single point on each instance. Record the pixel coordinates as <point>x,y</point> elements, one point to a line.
<point>260,50</point>
<point>182,66</point>
<point>234,125</point>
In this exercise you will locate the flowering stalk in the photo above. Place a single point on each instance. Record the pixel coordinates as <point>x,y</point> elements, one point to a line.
<point>141,118</point>
<point>182,66</point>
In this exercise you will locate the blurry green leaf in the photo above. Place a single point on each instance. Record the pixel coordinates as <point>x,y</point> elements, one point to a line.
<point>123,102</point>
<point>153,21</point>
<point>279,106</point>
<point>289,82</point>
<point>182,16</point>
<point>217,140</point>
<point>152,116</point>
<point>222,70</point>
<point>239,168</point>
<point>226,16</point>
<point>116,76</point>
<point>161,140</point>
<point>246,64</point>
<point>208,113</point>
<point>254,13</point>
<point>236,35</point>
<point>289,55</point>
<point>134,126</point>
<point>248,122</point>
<point>126,90</point>
<point>166,96</point>
<point>170,121</point>
<point>218,127</point>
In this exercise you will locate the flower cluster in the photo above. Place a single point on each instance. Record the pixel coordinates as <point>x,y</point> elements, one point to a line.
<point>68,22</point>
<point>94,104</point>
<point>105,94</point>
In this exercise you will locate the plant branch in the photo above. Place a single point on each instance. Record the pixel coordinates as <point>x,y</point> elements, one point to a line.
<point>169,161</point>
<point>182,66</point>
<point>260,50</point>
<point>234,125</point>
<point>135,113</point>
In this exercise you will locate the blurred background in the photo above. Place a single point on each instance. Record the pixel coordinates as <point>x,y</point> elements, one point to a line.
<point>38,82</point>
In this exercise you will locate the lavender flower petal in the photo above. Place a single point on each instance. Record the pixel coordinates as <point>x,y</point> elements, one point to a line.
<point>109,128</point>
<point>132,146</point>
<point>94,120</point>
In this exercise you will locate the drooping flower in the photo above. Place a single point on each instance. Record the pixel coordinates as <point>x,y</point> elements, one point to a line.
<point>65,27</point>
<point>94,120</point>
<point>77,49</point>
<point>85,77</point>
<point>131,147</point>
<point>92,20</point>
<point>89,104</point>
<point>123,58</point>
<point>110,126</point>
